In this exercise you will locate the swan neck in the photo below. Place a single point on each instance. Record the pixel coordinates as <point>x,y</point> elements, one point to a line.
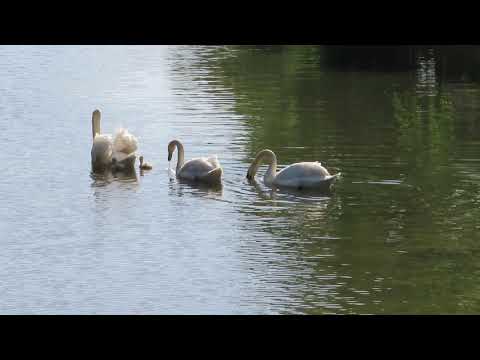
<point>269,157</point>
<point>271,171</point>
<point>181,156</point>
<point>95,124</point>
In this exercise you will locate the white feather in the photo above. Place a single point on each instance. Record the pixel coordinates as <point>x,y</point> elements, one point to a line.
<point>124,142</point>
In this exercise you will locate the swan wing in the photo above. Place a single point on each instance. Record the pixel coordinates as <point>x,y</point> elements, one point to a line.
<point>124,142</point>
<point>196,168</point>
<point>213,176</point>
<point>303,169</point>
<point>305,174</point>
<point>213,159</point>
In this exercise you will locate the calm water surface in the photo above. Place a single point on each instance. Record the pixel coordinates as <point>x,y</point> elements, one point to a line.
<point>400,233</point>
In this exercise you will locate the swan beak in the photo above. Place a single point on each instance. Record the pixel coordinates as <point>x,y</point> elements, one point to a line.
<point>169,156</point>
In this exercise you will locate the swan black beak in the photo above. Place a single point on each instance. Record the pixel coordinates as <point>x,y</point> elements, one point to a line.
<point>169,156</point>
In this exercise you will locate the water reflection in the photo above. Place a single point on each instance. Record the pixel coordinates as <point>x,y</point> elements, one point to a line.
<point>426,84</point>
<point>180,187</point>
<point>108,176</point>
<point>273,193</point>
<point>289,244</point>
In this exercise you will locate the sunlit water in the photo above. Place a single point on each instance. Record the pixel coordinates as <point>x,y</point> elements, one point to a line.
<point>399,234</point>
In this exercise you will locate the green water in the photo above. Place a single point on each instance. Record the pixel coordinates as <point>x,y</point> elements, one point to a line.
<point>401,232</point>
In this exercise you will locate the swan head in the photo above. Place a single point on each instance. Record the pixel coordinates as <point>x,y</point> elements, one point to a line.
<point>171,148</point>
<point>96,123</point>
<point>265,155</point>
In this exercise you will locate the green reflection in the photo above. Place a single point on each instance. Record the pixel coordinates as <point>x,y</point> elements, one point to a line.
<point>399,233</point>
<point>425,128</point>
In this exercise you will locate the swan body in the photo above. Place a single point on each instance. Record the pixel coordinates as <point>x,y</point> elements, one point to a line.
<point>117,154</point>
<point>204,169</point>
<point>303,175</point>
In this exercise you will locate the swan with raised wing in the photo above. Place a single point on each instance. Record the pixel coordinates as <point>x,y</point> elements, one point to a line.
<point>117,154</point>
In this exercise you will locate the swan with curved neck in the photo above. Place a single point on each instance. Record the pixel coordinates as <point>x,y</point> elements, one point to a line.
<point>116,154</point>
<point>199,169</point>
<point>299,175</point>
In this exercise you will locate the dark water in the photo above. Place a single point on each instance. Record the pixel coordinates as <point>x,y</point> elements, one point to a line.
<point>398,235</point>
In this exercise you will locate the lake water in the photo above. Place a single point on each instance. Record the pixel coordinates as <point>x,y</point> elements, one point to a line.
<point>399,233</point>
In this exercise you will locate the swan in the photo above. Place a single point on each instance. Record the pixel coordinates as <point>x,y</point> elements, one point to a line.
<point>303,175</point>
<point>200,169</point>
<point>144,165</point>
<point>118,154</point>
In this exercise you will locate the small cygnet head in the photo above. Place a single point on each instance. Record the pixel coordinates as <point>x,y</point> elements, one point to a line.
<point>141,160</point>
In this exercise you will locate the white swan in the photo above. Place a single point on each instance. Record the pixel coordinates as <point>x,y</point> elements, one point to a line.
<point>303,175</point>
<point>118,154</point>
<point>200,169</point>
